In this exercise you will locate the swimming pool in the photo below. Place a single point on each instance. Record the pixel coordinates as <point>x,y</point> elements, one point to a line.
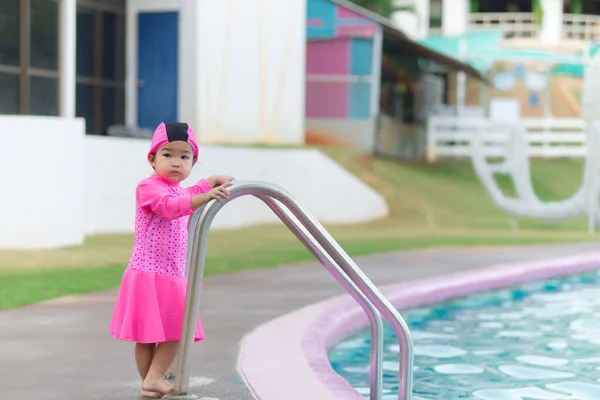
<point>535,341</point>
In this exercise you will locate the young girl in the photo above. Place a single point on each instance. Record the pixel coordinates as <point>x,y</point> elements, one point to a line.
<point>151,301</point>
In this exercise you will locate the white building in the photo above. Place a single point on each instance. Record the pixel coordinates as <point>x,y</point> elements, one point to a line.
<point>139,62</point>
<point>235,70</point>
<point>559,20</point>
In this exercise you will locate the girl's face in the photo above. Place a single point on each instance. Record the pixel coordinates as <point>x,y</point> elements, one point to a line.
<point>173,162</point>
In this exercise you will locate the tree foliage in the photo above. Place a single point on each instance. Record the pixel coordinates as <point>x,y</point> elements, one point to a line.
<point>384,8</point>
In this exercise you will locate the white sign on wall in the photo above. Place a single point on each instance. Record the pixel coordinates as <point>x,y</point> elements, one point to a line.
<point>505,110</point>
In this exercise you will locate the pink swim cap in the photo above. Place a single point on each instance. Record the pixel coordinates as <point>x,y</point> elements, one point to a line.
<point>168,132</point>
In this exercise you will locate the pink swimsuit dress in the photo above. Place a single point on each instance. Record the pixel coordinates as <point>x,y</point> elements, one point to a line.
<point>151,300</point>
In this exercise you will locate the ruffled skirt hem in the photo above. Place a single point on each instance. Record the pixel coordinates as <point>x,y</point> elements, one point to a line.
<point>150,308</point>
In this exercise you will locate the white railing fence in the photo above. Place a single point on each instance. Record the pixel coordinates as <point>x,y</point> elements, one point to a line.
<point>581,27</point>
<point>451,138</point>
<point>523,25</point>
<point>514,25</point>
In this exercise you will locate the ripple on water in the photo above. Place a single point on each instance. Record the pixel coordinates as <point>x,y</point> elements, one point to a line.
<point>357,369</point>
<point>538,343</point>
<point>543,361</point>
<point>487,352</point>
<point>458,369</point>
<point>591,360</point>
<point>526,393</point>
<point>390,366</point>
<point>491,325</point>
<point>518,334</point>
<point>530,373</point>
<point>577,390</point>
<point>585,325</point>
<point>558,345</point>
<point>423,335</point>
<point>351,344</point>
<point>439,351</point>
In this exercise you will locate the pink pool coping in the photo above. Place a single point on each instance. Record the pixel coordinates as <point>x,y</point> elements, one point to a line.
<point>286,358</point>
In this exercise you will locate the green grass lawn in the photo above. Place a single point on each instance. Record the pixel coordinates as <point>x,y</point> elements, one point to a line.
<point>430,206</point>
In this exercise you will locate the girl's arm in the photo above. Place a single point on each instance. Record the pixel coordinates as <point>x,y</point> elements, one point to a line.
<point>218,193</point>
<point>155,198</point>
<point>202,186</point>
<point>217,180</point>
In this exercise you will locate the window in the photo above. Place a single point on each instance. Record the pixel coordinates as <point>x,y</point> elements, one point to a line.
<point>29,57</point>
<point>43,26</point>
<point>100,68</point>
<point>29,60</point>
<point>9,32</point>
<point>9,93</point>
<point>86,28</point>
<point>85,105</point>
<point>9,56</point>
<point>43,96</point>
<point>109,46</point>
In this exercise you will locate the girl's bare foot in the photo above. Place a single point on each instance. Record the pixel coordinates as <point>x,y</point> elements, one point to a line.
<point>157,384</point>
<point>146,394</point>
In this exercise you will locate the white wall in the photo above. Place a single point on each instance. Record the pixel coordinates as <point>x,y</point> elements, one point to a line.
<point>41,196</point>
<point>330,192</point>
<point>241,69</point>
<point>59,184</point>
<point>455,20</point>
<point>552,21</point>
<point>251,71</point>
<point>360,134</point>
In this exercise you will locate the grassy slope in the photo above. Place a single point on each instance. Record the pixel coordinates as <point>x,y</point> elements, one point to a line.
<point>431,205</point>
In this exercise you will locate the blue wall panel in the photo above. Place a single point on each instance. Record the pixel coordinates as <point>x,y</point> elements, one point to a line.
<point>361,51</point>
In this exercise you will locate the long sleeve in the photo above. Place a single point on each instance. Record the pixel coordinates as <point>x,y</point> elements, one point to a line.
<point>153,197</point>
<point>202,186</point>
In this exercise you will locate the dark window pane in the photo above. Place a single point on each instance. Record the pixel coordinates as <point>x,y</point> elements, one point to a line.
<point>85,41</point>
<point>44,34</point>
<point>9,94</point>
<point>85,105</point>
<point>120,111</point>
<point>109,46</point>
<point>121,48</point>
<point>43,96</point>
<point>112,108</point>
<point>9,32</point>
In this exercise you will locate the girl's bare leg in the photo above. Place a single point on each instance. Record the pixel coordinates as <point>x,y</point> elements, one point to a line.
<point>164,355</point>
<point>143,357</point>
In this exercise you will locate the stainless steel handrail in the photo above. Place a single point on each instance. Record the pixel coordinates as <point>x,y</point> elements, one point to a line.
<point>375,321</point>
<point>333,257</point>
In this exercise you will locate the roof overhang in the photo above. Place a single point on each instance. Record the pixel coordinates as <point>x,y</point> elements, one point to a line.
<point>395,36</point>
<point>418,50</point>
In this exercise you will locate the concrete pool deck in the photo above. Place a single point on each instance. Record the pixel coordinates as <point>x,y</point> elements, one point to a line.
<point>61,350</point>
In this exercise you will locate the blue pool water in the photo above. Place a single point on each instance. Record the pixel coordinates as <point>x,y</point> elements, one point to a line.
<point>539,341</point>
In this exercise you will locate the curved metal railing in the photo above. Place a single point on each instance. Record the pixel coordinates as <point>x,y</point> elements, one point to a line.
<point>312,234</point>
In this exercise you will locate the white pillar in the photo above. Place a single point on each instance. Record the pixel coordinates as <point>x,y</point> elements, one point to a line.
<point>376,71</point>
<point>189,64</point>
<point>67,57</point>
<point>461,79</point>
<point>552,21</point>
<point>414,24</point>
<point>422,7</point>
<point>455,17</point>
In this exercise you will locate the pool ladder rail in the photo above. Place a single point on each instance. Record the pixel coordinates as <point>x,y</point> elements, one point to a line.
<point>316,239</point>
